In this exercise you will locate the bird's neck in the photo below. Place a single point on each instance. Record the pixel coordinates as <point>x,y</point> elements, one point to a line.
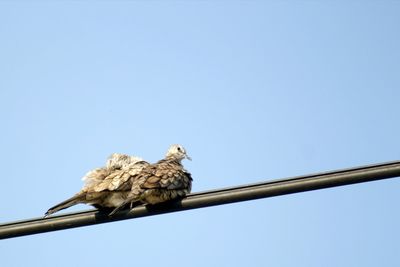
<point>172,158</point>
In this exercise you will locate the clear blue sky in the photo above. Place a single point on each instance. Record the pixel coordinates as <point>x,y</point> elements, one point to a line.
<point>254,90</point>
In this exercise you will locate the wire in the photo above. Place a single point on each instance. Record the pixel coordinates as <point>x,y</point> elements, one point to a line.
<point>207,199</point>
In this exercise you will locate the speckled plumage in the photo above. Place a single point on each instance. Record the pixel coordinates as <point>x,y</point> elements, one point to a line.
<point>160,182</point>
<point>106,187</point>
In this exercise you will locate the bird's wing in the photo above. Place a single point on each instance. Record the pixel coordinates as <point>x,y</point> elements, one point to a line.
<point>168,178</point>
<point>114,162</point>
<point>120,180</point>
<point>94,177</point>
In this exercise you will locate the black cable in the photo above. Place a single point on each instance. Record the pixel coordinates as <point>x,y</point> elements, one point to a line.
<point>208,198</point>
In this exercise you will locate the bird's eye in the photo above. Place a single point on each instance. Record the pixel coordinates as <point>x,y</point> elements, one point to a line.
<point>179,149</point>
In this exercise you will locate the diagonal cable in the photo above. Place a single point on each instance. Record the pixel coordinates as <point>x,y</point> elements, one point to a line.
<point>208,198</point>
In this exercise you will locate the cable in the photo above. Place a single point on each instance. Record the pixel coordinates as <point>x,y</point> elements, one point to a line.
<point>208,198</point>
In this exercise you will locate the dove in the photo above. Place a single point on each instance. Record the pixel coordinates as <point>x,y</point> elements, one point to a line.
<point>106,187</point>
<point>160,182</point>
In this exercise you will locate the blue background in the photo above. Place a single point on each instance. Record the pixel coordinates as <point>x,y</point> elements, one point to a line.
<point>254,90</point>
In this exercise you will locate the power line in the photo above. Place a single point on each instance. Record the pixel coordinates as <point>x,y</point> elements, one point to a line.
<point>208,198</point>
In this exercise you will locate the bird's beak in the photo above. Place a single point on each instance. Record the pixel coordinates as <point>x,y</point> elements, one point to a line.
<point>189,158</point>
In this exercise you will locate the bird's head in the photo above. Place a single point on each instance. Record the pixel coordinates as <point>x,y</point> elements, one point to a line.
<point>177,152</point>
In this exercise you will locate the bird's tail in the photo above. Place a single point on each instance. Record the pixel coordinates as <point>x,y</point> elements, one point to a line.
<point>65,204</point>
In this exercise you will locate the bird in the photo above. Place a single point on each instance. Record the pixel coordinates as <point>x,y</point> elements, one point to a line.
<point>160,182</point>
<point>106,187</point>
